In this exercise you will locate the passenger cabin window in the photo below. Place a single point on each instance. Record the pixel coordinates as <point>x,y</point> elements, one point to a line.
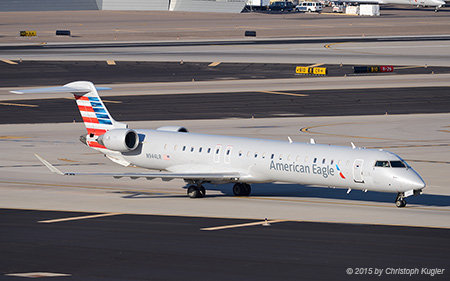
<point>200,149</point>
<point>184,148</point>
<point>272,156</point>
<point>209,150</point>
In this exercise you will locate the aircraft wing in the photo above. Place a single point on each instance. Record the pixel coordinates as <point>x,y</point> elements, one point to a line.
<point>229,176</point>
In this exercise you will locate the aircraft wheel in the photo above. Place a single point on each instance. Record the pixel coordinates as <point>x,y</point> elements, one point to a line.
<point>242,189</point>
<point>196,192</point>
<point>202,190</point>
<point>400,203</point>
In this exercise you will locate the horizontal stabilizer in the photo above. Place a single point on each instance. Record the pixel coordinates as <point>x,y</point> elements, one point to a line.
<point>55,90</point>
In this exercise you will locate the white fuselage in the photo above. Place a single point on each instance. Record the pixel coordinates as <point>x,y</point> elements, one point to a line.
<point>261,160</point>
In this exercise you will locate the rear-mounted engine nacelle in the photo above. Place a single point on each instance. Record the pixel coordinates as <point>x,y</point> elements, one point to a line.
<point>122,140</point>
<point>177,129</point>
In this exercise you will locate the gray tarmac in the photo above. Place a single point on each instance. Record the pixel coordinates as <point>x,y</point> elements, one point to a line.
<point>126,26</point>
<point>421,139</point>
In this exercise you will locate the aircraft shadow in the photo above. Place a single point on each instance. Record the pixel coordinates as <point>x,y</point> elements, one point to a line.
<point>302,191</point>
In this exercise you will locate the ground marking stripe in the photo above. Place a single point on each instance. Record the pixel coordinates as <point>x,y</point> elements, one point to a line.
<point>317,64</point>
<point>111,62</point>
<point>221,217</point>
<point>214,64</point>
<point>408,67</point>
<point>80,218</point>
<point>282,93</point>
<point>104,101</point>
<point>241,225</point>
<point>18,104</point>
<point>9,62</point>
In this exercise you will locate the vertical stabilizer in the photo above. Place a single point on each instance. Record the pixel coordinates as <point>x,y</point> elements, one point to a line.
<point>95,115</point>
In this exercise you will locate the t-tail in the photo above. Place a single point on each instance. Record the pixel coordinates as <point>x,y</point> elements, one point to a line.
<point>96,116</point>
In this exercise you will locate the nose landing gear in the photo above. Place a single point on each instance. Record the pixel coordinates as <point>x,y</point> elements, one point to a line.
<point>400,200</point>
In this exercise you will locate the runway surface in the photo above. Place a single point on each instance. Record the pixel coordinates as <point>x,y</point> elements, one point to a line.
<point>137,247</point>
<point>261,104</point>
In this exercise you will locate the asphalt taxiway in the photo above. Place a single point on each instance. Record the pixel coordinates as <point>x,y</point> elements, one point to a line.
<point>259,104</point>
<point>136,247</point>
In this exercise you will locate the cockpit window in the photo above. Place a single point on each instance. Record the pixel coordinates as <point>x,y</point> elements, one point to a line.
<point>393,164</point>
<point>397,164</point>
<point>382,164</point>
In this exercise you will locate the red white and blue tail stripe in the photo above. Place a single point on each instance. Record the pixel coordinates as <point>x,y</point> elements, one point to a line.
<point>95,115</point>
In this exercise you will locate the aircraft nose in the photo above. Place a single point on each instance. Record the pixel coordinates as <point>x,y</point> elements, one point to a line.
<point>416,182</point>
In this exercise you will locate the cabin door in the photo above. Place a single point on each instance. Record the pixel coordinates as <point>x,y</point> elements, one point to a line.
<point>358,171</point>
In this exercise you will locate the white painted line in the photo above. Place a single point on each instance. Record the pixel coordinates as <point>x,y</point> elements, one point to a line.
<point>80,218</point>
<point>241,225</point>
<point>38,274</point>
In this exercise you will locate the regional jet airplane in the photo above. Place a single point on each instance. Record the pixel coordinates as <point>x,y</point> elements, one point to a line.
<point>419,3</point>
<point>201,158</point>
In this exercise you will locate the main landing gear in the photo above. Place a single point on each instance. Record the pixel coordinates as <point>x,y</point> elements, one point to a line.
<point>242,189</point>
<point>196,191</point>
<point>400,200</point>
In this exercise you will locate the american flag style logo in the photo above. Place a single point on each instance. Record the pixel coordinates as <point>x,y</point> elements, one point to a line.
<point>95,116</point>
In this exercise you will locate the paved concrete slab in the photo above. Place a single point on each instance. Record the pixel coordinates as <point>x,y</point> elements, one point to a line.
<point>421,139</point>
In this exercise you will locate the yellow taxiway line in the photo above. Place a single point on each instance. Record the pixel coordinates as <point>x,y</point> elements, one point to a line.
<point>18,104</point>
<point>315,65</point>
<point>214,64</point>
<point>80,218</point>
<point>241,225</point>
<point>283,93</point>
<point>9,61</point>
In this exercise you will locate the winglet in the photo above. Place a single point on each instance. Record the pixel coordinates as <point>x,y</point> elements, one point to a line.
<point>49,166</point>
